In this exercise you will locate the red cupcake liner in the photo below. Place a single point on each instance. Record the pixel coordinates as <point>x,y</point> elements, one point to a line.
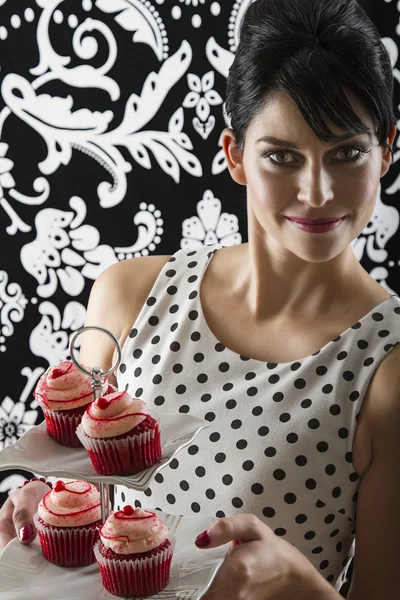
<point>125,455</point>
<point>61,425</point>
<point>128,576</point>
<point>68,546</point>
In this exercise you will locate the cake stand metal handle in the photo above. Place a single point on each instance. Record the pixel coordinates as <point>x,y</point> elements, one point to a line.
<point>97,376</point>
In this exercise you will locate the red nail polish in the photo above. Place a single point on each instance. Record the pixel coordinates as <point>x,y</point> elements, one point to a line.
<point>203,540</point>
<point>26,533</point>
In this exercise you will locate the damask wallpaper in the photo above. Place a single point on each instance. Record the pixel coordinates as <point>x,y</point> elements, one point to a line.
<point>111,115</point>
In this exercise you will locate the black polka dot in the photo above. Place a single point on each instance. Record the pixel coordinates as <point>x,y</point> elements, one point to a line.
<point>184,485</point>
<point>184,409</point>
<point>295,366</point>
<point>174,464</point>
<point>236,424</point>
<point>237,502</point>
<point>210,494</point>
<point>174,327</point>
<point>196,336</point>
<point>227,479</point>
<point>248,465</point>
<point>137,372</point>
<point>159,478</point>
<point>310,535</point>
<point>327,389</point>
<point>279,474</point>
<point>343,433</point>
<point>317,550</point>
<point>210,416</point>
<point>192,450</point>
<point>139,392</point>
<point>252,391</point>
<point>335,410</point>
<point>274,379</point>
<point>321,371</point>
<point>178,368</point>
<point>306,403</point>
<point>301,461</point>
<point>181,389</point>
<point>313,423</point>
<point>290,498</point>
<point>153,321</point>
<point>250,376</point>
<point>220,457</point>
<point>193,295</point>
<point>200,471</point>
<point>257,411</point>
<point>170,273</point>
<point>300,519</point>
<point>155,340</point>
<point>263,431</point>
<point>227,387</point>
<point>280,531</point>
<point>230,404</point>
<point>377,316</point>
<point>171,290</point>
<point>175,346</point>
<point>368,362</point>
<point>122,367</point>
<point>195,506</point>
<point>193,278</point>
<point>159,401</point>
<point>137,353</point>
<point>336,492</point>
<point>322,447</point>
<point>156,359</point>
<point>342,355</point>
<point>348,376</point>
<point>292,438</point>
<point>284,417</point>
<point>193,315</point>
<point>268,512</point>
<point>362,344</point>
<point>174,309</point>
<point>138,504</point>
<point>133,333</point>
<point>354,396</point>
<point>148,492</point>
<point>270,452</point>
<point>220,514</point>
<point>219,347</point>
<point>202,378</point>
<point>278,397</point>
<point>330,469</point>
<point>271,366</point>
<point>215,437</point>
<point>329,519</point>
<point>199,357</point>
<point>157,379</point>
<point>356,326</point>
<point>192,265</point>
<point>241,444</point>
<point>311,484</point>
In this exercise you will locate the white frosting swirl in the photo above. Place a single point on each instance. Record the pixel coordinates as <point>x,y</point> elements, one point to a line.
<point>113,415</point>
<point>133,530</point>
<point>71,504</point>
<point>64,387</point>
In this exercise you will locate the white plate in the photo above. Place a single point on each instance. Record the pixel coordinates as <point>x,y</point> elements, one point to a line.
<point>36,451</point>
<point>25,573</point>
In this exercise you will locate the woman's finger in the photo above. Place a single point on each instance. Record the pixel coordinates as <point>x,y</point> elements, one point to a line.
<point>241,528</point>
<point>25,505</point>
<point>7,529</point>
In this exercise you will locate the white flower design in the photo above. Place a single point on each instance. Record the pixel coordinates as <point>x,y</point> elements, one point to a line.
<point>210,227</point>
<point>6,179</point>
<point>12,307</point>
<point>202,97</point>
<point>14,421</point>
<point>193,2</point>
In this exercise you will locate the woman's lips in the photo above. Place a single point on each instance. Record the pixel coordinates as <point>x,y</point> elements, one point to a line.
<point>316,225</point>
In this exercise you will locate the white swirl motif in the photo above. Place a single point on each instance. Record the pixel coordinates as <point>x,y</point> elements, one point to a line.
<point>50,338</point>
<point>12,307</point>
<point>64,130</point>
<point>202,97</point>
<point>210,226</point>
<point>15,420</point>
<point>62,249</point>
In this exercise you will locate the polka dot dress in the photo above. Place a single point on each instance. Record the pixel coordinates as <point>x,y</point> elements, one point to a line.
<point>280,439</point>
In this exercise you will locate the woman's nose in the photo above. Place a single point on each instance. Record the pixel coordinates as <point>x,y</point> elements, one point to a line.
<point>315,186</point>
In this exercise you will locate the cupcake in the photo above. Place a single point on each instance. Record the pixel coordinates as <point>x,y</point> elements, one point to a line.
<point>134,553</point>
<point>119,435</point>
<point>68,522</point>
<point>64,392</point>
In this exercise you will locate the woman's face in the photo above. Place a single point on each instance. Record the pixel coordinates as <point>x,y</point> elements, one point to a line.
<point>306,178</point>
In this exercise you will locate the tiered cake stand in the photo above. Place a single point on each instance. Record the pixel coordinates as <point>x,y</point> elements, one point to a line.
<point>24,568</point>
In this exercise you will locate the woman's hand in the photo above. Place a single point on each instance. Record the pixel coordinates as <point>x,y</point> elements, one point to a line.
<point>16,514</point>
<point>259,566</point>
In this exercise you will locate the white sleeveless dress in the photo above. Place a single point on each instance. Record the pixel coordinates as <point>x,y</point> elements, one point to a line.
<point>280,439</point>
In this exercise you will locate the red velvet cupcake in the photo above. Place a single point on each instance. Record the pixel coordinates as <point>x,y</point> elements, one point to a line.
<point>68,522</point>
<point>64,392</point>
<point>134,553</point>
<point>119,435</point>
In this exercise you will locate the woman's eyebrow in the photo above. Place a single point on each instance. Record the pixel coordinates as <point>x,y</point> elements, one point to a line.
<point>287,144</point>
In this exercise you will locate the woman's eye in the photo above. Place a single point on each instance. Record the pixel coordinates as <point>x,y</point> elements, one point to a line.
<point>279,157</point>
<point>349,153</point>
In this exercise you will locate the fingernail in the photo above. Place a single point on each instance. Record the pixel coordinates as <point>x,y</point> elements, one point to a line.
<point>203,540</point>
<point>25,533</point>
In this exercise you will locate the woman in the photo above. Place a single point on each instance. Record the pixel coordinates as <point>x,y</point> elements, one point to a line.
<point>285,344</point>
